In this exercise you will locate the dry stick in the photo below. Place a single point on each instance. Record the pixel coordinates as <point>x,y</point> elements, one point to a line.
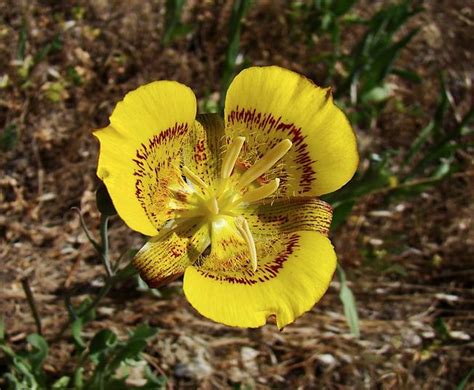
<point>31,302</point>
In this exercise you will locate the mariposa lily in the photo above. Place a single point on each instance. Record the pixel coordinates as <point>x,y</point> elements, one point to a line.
<point>232,203</point>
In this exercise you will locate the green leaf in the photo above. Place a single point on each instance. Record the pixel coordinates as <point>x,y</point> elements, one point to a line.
<point>103,340</point>
<point>341,7</point>
<point>76,329</point>
<point>173,26</point>
<point>373,56</point>
<point>239,10</point>
<point>441,329</point>
<point>129,351</point>
<point>83,313</point>
<point>104,201</point>
<point>73,76</point>
<point>8,137</point>
<point>350,308</point>
<point>432,128</point>
<point>26,370</point>
<point>54,46</point>
<point>39,351</point>
<point>382,62</point>
<point>154,382</point>
<point>377,94</point>
<point>142,332</point>
<point>464,382</point>
<point>407,75</point>
<point>341,212</point>
<point>377,176</point>
<point>62,383</point>
<point>2,329</point>
<point>21,48</point>
<point>78,378</point>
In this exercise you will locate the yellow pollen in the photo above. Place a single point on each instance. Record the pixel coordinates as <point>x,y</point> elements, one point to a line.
<point>193,178</point>
<point>231,156</point>
<point>244,230</point>
<point>261,192</point>
<point>264,164</point>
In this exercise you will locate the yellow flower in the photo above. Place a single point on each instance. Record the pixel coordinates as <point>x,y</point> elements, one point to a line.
<point>232,204</point>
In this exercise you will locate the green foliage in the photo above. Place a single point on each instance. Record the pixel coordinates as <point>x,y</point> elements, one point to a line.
<point>462,385</point>
<point>174,29</point>
<point>106,357</point>
<point>54,46</point>
<point>430,159</point>
<point>348,300</point>
<point>239,10</point>
<point>372,58</point>
<point>27,62</point>
<point>376,177</point>
<point>318,17</point>
<point>8,137</point>
<point>25,367</point>
<point>432,155</point>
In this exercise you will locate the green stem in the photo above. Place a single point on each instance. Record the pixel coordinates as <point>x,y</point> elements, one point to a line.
<point>104,222</point>
<point>102,293</point>
<point>31,302</point>
<point>123,274</point>
<point>341,274</point>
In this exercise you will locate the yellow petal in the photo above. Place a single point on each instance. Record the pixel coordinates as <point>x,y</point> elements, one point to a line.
<point>287,216</point>
<point>203,150</point>
<point>270,104</point>
<point>165,257</point>
<point>294,271</point>
<point>140,153</point>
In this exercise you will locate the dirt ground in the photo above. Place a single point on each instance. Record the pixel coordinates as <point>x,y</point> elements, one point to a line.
<point>409,262</point>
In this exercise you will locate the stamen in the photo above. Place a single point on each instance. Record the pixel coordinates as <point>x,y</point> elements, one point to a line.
<point>231,155</point>
<point>261,192</point>
<point>244,230</point>
<point>193,178</point>
<point>264,164</point>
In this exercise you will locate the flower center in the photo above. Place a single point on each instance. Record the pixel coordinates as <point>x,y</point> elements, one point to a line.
<point>235,188</point>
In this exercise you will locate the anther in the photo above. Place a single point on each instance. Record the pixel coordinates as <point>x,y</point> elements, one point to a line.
<point>193,178</point>
<point>264,164</point>
<point>231,156</point>
<point>261,192</point>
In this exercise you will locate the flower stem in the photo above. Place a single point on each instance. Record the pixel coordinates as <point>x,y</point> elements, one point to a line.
<point>31,302</point>
<point>104,222</point>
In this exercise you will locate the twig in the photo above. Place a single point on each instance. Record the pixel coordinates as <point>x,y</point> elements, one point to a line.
<point>31,302</point>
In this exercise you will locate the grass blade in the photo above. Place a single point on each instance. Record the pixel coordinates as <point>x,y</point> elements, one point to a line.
<point>348,300</point>
<point>239,10</point>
